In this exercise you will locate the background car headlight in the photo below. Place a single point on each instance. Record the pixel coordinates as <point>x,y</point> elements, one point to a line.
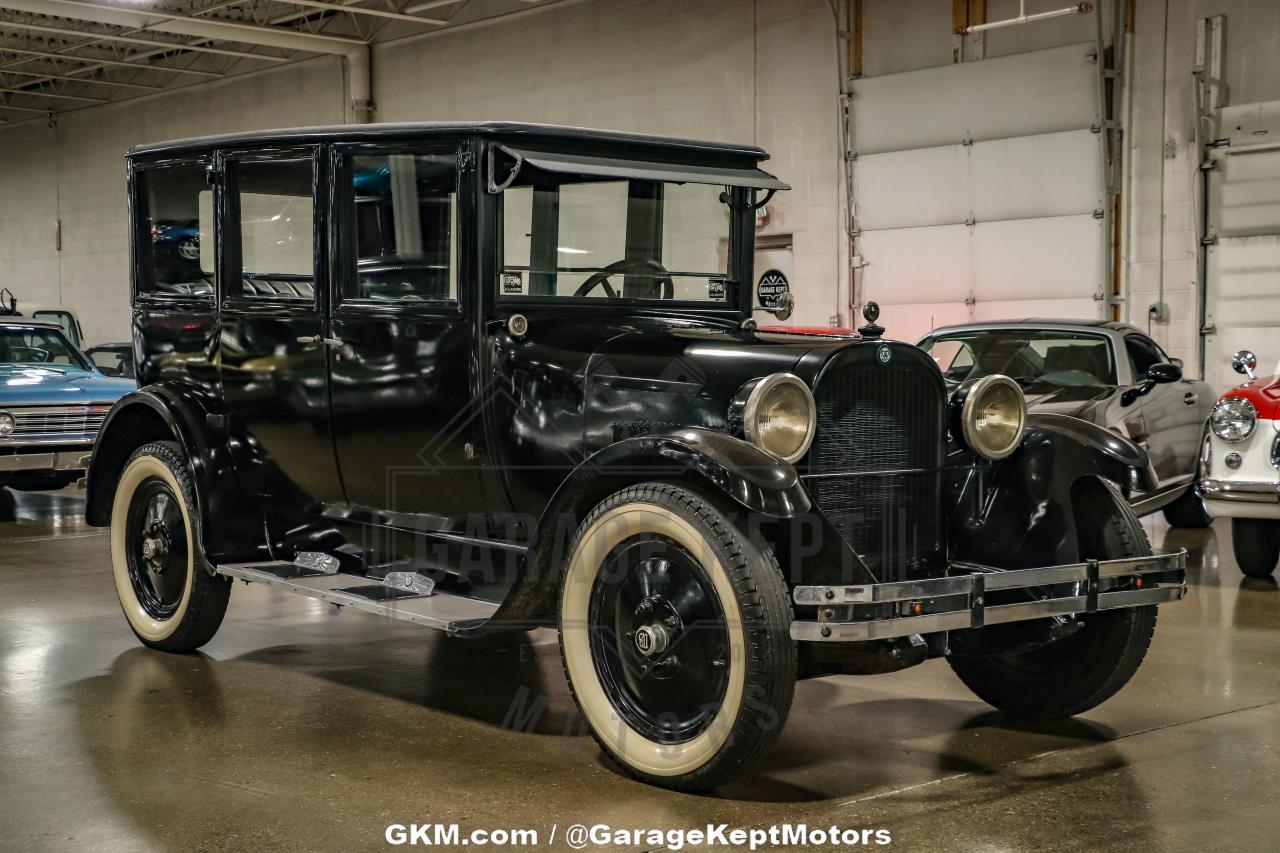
<point>993,416</point>
<point>1233,419</point>
<point>780,417</point>
<point>7,424</point>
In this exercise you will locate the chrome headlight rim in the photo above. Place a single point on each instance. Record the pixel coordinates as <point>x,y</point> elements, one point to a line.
<point>751,410</point>
<point>974,390</point>
<point>1247,411</point>
<point>8,424</point>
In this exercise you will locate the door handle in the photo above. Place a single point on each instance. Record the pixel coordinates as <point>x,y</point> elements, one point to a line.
<point>320,339</point>
<point>1190,398</point>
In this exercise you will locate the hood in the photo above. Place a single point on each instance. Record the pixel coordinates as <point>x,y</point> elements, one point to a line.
<point>1078,401</point>
<point>1264,393</point>
<point>34,385</point>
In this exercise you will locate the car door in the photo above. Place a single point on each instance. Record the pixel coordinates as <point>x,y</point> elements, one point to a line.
<point>273,351</point>
<point>405,419</point>
<point>1172,413</point>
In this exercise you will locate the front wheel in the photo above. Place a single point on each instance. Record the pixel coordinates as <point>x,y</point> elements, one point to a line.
<point>172,602</point>
<point>1083,670</point>
<point>1256,542</point>
<point>675,637</point>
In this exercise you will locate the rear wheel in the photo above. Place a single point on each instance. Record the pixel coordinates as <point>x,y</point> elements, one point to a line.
<point>1188,511</point>
<point>1083,670</point>
<point>675,636</point>
<point>169,597</point>
<point>1256,542</point>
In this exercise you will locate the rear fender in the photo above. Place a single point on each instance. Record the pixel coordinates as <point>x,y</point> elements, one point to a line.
<point>229,528</point>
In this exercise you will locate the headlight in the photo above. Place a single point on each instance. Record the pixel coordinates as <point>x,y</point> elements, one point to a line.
<point>779,416</point>
<point>993,416</point>
<point>7,424</point>
<point>1233,419</point>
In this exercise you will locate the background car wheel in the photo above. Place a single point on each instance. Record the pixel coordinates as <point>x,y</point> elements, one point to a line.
<point>170,599</point>
<point>675,637</point>
<point>1256,542</point>
<point>1083,670</point>
<point>1188,511</point>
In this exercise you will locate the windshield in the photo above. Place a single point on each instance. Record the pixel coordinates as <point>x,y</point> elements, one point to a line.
<point>41,347</point>
<point>568,236</point>
<point>1027,355</point>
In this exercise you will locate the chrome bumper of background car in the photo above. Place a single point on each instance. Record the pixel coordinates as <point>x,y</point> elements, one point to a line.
<point>1227,490</point>
<point>959,601</point>
<point>68,460</point>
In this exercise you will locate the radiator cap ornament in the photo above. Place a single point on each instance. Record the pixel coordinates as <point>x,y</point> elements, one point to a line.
<point>871,312</point>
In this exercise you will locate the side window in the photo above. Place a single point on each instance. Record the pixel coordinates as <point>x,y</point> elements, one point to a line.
<point>175,241</point>
<point>1142,354</point>
<point>406,214</point>
<point>275,244</point>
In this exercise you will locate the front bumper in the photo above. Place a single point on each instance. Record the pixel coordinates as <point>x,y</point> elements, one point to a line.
<point>60,460</point>
<point>973,596</point>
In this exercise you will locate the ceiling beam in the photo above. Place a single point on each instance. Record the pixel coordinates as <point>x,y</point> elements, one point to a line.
<point>114,63</point>
<point>125,39</point>
<point>40,93</point>
<point>23,109</point>
<point>98,80</point>
<point>365,10</point>
<point>186,25</point>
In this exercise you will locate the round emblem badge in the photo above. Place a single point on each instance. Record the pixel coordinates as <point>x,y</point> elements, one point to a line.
<point>884,354</point>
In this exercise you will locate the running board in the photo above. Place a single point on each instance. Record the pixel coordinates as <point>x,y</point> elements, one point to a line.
<point>450,613</point>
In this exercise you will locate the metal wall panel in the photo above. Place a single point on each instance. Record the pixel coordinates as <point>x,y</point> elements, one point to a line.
<point>1019,95</point>
<point>1242,282</point>
<point>1052,174</point>
<point>934,275</point>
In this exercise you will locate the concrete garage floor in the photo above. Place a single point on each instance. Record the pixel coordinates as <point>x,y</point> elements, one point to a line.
<point>300,728</point>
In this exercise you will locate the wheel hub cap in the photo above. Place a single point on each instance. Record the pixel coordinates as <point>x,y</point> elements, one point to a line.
<point>652,640</point>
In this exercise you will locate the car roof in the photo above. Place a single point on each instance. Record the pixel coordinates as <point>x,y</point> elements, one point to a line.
<point>1038,323</point>
<point>24,322</point>
<point>503,130</point>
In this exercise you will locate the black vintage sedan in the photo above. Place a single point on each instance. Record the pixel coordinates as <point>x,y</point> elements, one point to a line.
<point>1111,374</point>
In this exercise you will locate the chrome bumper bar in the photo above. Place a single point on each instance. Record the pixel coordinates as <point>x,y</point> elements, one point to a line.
<point>67,460</point>
<point>959,600</point>
<point>1240,492</point>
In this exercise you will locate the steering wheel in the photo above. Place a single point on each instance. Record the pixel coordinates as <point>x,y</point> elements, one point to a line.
<point>626,266</point>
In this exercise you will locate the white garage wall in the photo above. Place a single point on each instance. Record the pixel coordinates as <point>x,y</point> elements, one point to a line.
<point>76,171</point>
<point>759,71</point>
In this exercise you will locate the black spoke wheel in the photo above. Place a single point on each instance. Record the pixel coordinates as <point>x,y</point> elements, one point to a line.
<point>660,643</point>
<point>157,548</point>
<point>170,596</point>
<point>675,636</point>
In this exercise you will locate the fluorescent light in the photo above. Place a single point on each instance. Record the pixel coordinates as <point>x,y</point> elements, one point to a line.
<point>569,251</point>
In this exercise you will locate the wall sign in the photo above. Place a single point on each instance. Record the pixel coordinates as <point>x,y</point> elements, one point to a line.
<point>771,285</point>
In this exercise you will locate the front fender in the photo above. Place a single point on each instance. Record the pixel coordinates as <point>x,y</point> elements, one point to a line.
<point>752,478</point>
<point>1021,512</point>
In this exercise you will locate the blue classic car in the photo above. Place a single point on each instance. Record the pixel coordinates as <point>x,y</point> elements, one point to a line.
<point>52,403</point>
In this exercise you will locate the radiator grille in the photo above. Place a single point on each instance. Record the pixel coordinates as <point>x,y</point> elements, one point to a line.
<point>879,425</point>
<point>45,422</point>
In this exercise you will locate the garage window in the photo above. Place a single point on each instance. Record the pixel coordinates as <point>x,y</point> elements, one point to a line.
<point>175,243</point>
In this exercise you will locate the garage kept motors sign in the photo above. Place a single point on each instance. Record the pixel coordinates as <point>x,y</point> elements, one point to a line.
<point>772,285</point>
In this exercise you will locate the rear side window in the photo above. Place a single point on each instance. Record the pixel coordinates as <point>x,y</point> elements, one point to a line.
<point>175,243</point>
<point>405,220</point>
<point>274,245</point>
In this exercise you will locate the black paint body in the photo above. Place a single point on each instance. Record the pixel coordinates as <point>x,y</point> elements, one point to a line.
<point>434,434</point>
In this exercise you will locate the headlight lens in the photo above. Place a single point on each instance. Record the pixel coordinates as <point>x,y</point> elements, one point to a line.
<point>1233,419</point>
<point>994,416</point>
<point>780,416</point>
<point>7,424</point>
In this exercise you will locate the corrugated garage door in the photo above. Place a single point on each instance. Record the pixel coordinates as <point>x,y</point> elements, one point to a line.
<point>979,190</point>
<point>1242,310</point>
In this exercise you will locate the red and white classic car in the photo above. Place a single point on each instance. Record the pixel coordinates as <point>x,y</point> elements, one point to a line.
<point>1240,466</point>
